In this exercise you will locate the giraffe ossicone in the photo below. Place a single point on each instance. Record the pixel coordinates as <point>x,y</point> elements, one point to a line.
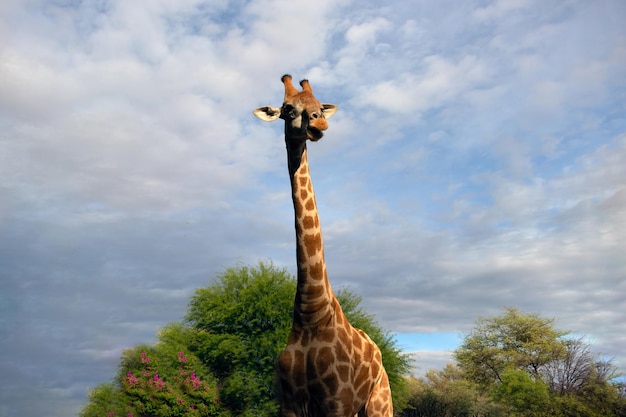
<point>329,368</point>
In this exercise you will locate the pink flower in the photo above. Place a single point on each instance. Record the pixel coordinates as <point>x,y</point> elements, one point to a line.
<point>111,414</point>
<point>131,379</point>
<point>181,357</point>
<point>158,382</point>
<point>145,358</point>
<point>195,381</point>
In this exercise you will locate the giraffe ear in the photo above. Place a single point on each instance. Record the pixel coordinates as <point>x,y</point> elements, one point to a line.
<point>329,110</point>
<point>267,113</point>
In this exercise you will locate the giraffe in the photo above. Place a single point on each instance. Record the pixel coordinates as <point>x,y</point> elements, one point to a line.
<point>328,368</point>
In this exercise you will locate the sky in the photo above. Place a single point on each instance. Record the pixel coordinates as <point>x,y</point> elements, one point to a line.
<point>477,161</point>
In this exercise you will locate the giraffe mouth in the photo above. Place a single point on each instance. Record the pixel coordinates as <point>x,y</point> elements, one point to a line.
<point>314,133</point>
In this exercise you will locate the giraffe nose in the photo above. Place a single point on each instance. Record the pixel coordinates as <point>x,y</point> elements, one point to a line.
<point>319,123</point>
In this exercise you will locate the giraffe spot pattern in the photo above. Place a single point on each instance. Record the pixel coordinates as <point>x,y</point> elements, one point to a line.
<point>316,291</point>
<point>312,244</point>
<point>317,271</point>
<point>328,368</point>
<point>308,222</point>
<point>331,382</point>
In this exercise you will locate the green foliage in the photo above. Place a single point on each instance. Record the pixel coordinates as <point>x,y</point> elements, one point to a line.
<point>521,393</point>
<point>242,321</point>
<point>524,341</point>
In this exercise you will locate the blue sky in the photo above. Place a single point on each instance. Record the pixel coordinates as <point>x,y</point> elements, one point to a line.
<point>476,161</point>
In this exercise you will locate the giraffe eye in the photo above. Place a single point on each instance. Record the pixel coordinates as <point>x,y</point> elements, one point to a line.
<point>290,111</point>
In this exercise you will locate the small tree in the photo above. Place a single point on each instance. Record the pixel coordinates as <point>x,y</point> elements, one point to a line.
<point>514,340</point>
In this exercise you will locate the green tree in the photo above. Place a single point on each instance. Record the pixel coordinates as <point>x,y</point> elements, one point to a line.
<point>531,368</point>
<point>242,322</point>
<point>446,393</point>
<point>513,340</point>
<point>459,395</point>
<point>522,394</point>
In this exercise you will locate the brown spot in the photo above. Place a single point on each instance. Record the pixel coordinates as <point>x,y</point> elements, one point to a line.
<point>304,180</point>
<point>298,376</point>
<point>358,343</point>
<point>310,204</point>
<point>343,336</point>
<point>332,383</point>
<point>327,335</point>
<point>308,222</point>
<point>312,243</point>
<point>362,374</point>
<point>299,358</point>
<point>363,390</point>
<point>303,194</point>
<point>317,271</point>
<point>344,372</point>
<point>284,362</point>
<point>323,360</point>
<point>315,291</point>
<point>293,338</point>
<point>346,395</point>
<point>374,370</point>
<point>342,355</point>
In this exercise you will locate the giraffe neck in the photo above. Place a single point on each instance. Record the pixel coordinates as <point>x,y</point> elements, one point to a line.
<point>314,296</point>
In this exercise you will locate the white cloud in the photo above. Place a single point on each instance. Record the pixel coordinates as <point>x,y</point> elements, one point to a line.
<point>439,82</point>
<point>499,8</point>
<point>423,361</point>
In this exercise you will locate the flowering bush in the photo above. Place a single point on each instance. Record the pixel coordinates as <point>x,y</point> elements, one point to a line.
<point>182,394</point>
<point>153,383</point>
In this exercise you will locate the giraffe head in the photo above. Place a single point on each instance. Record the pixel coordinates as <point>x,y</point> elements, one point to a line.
<point>304,116</point>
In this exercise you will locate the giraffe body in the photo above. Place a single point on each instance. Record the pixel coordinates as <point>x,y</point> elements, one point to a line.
<point>328,368</point>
